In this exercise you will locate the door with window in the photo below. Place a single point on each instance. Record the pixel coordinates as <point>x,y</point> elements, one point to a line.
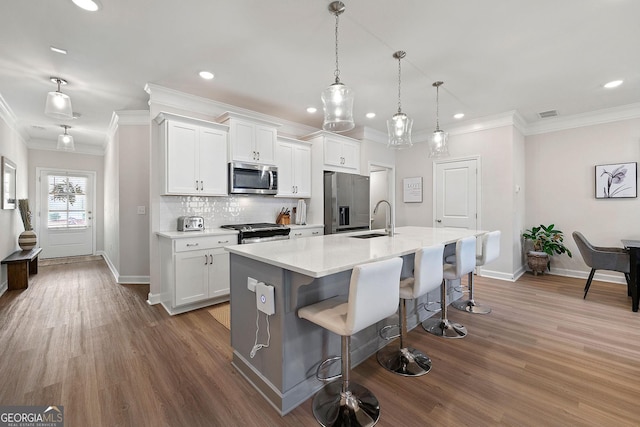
<point>66,213</point>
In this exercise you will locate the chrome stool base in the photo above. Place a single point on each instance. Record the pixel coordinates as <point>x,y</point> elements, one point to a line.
<point>407,361</point>
<point>444,328</point>
<point>470,306</point>
<point>356,407</point>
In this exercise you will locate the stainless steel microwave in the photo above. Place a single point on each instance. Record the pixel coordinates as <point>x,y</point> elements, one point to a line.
<point>247,178</point>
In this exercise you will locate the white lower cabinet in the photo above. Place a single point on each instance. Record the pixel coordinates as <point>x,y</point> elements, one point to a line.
<point>195,271</point>
<point>306,231</point>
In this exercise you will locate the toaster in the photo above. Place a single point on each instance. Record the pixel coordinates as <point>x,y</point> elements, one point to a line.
<point>190,223</point>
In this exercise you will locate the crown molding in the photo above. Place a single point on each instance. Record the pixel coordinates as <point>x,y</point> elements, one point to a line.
<point>46,145</point>
<point>187,102</point>
<point>133,117</point>
<point>7,115</point>
<point>608,115</point>
<point>365,133</point>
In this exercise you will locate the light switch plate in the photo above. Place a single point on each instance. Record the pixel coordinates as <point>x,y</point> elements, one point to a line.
<point>265,300</point>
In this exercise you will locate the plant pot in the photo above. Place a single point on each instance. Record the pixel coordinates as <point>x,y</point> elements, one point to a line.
<point>27,240</point>
<point>537,261</point>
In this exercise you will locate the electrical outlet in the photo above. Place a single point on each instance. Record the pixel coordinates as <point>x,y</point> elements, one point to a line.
<point>142,210</point>
<point>251,284</point>
<point>265,299</point>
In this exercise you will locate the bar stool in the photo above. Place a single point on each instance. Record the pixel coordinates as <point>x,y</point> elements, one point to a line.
<point>490,251</point>
<point>465,263</point>
<point>427,276</point>
<point>373,291</point>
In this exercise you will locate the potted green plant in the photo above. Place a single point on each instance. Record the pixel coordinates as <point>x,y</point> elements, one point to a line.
<point>546,241</point>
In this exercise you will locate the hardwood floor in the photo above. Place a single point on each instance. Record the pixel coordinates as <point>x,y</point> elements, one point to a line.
<point>544,356</point>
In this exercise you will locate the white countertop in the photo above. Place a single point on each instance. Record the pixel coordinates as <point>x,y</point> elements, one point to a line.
<point>191,234</point>
<point>324,255</point>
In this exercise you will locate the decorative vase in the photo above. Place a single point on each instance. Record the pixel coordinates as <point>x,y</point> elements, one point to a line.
<point>27,240</point>
<point>537,262</point>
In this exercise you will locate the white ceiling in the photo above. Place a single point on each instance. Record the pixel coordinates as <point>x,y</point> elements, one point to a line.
<point>276,57</point>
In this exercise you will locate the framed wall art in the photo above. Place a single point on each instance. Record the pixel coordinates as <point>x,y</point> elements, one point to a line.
<point>617,180</point>
<point>412,190</point>
<point>8,184</point>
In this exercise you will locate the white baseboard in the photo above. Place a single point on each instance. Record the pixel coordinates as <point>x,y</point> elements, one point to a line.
<point>153,299</point>
<point>4,287</point>
<point>134,280</point>
<point>496,275</point>
<point>123,280</point>
<point>605,276</point>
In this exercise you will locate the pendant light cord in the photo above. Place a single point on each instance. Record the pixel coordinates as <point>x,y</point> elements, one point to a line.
<point>337,72</point>
<point>399,84</point>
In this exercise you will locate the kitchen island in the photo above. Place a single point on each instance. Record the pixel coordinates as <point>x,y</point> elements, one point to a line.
<point>304,271</point>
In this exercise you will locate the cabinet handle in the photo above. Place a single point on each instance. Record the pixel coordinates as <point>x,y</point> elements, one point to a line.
<point>192,244</point>
<point>196,185</point>
<point>206,260</point>
<point>258,155</point>
<point>297,234</point>
<point>220,241</point>
<point>315,232</point>
<point>254,155</point>
<point>211,258</point>
<point>201,185</point>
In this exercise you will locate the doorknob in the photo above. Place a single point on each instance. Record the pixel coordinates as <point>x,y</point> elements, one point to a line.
<point>438,220</point>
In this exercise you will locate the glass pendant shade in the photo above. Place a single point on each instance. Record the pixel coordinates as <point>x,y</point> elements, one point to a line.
<point>65,141</point>
<point>337,99</point>
<point>438,146</point>
<point>337,103</point>
<point>399,128</point>
<point>58,104</point>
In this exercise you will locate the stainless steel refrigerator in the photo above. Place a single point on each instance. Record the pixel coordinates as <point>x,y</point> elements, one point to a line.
<point>346,202</point>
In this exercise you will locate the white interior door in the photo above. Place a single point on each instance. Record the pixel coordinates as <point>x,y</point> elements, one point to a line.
<point>456,194</point>
<point>66,213</point>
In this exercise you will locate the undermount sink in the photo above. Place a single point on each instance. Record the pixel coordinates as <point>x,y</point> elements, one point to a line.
<point>369,235</point>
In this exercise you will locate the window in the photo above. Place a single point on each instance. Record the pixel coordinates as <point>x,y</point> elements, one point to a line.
<point>67,201</point>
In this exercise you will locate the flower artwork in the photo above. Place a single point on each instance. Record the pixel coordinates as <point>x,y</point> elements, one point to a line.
<point>616,181</point>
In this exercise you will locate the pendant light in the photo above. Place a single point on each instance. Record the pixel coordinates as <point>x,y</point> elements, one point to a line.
<point>438,144</point>
<point>399,126</point>
<point>58,104</point>
<point>65,141</point>
<point>337,99</point>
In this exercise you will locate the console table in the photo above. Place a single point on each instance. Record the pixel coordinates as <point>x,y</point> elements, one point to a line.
<point>633,246</point>
<point>20,265</point>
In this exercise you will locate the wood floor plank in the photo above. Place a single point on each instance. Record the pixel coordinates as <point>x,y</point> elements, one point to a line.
<point>543,356</point>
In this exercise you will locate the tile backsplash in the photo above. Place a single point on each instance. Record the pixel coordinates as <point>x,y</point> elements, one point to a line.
<point>218,211</point>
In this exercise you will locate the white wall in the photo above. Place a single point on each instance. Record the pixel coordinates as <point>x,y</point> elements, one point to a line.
<point>560,173</point>
<point>500,152</point>
<point>11,146</point>
<point>111,209</point>
<point>133,191</point>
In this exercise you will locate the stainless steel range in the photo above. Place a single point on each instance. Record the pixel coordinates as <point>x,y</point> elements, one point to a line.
<point>259,232</point>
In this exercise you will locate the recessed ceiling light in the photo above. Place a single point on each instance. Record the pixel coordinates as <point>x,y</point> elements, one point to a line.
<point>58,50</point>
<point>206,75</point>
<point>90,5</point>
<point>311,110</point>
<point>458,116</point>
<point>613,84</point>
<point>370,115</point>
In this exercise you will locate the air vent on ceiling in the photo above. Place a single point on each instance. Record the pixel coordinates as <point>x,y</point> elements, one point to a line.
<point>546,114</point>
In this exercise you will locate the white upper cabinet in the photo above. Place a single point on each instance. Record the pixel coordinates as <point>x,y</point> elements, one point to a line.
<point>251,140</point>
<point>194,155</point>
<point>293,159</point>
<point>341,154</point>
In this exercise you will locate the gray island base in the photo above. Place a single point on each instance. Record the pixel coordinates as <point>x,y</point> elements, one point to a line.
<point>302,272</point>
